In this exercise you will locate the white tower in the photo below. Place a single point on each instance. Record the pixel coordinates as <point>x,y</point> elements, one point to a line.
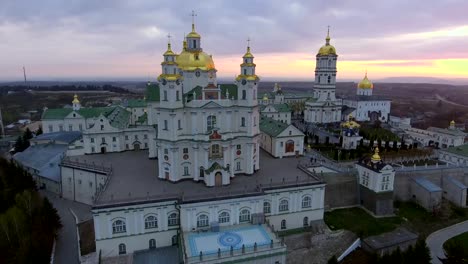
<point>76,103</point>
<point>247,80</point>
<point>365,87</point>
<point>170,81</point>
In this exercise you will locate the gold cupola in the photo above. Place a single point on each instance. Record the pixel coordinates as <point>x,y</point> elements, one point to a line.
<point>75,99</point>
<point>193,33</point>
<point>169,51</point>
<point>248,54</point>
<point>376,156</point>
<point>327,49</point>
<point>365,83</point>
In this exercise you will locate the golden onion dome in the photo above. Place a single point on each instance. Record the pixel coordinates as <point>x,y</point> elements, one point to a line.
<point>190,61</point>
<point>169,51</point>
<point>452,123</point>
<point>75,99</point>
<point>248,54</point>
<point>193,34</point>
<point>376,156</point>
<point>265,97</point>
<point>365,83</point>
<point>327,49</point>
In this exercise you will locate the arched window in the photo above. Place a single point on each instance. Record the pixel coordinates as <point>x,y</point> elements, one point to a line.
<point>224,217</point>
<point>284,206</point>
<point>202,220</point>
<point>152,243</point>
<point>305,221</point>
<point>329,79</point>
<point>243,121</point>
<point>244,216</point>
<point>245,71</point>
<point>173,219</point>
<point>122,249</point>
<point>266,207</point>
<point>306,202</point>
<point>283,224</point>
<point>151,222</point>
<point>210,122</point>
<point>118,226</point>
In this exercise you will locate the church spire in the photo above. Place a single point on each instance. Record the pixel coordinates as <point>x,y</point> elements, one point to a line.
<point>327,39</point>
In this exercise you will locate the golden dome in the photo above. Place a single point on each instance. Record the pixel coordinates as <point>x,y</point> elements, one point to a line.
<point>190,61</point>
<point>376,156</point>
<point>327,49</point>
<point>193,34</point>
<point>365,83</point>
<point>248,54</point>
<point>169,51</point>
<point>75,99</point>
<point>265,97</point>
<point>452,123</point>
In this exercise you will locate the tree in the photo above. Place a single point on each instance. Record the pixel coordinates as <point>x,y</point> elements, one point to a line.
<point>454,253</point>
<point>27,135</point>
<point>39,131</point>
<point>333,260</point>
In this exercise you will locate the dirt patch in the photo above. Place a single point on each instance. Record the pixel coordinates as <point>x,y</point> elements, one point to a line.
<point>87,242</point>
<point>317,248</point>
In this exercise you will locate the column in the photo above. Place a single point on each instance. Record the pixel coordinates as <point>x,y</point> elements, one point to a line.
<point>196,169</point>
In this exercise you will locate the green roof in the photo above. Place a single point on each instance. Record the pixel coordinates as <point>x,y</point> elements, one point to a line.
<point>215,166</point>
<point>271,126</point>
<point>460,150</point>
<point>119,118</point>
<point>282,108</point>
<point>152,92</point>
<point>61,113</point>
<point>133,103</point>
<point>143,118</point>
<point>232,88</point>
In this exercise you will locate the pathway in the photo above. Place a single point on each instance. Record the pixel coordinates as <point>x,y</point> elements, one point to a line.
<point>449,102</point>
<point>66,250</point>
<point>435,240</point>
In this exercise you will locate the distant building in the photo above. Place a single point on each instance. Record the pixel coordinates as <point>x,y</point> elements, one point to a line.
<point>367,107</point>
<point>455,155</point>
<point>437,137</point>
<point>350,134</point>
<point>278,112</point>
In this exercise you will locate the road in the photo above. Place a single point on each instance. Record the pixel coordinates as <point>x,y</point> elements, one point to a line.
<point>435,240</point>
<point>449,102</point>
<point>66,249</point>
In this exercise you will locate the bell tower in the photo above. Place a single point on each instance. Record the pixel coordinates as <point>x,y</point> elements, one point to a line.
<point>170,80</point>
<point>247,80</point>
<point>76,103</point>
<point>325,72</point>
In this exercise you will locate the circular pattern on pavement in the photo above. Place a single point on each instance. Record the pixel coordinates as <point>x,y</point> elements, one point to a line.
<point>229,239</point>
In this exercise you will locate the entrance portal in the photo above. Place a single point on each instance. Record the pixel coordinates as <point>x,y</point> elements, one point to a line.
<point>103,150</point>
<point>218,179</point>
<point>136,146</point>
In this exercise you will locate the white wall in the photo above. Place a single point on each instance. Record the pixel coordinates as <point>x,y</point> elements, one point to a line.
<point>81,185</point>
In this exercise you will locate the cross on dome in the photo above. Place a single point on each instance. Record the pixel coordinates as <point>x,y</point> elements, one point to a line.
<point>193,20</point>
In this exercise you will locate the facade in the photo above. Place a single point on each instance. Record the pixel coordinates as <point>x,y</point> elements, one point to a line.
<point>438,137</point>
<point>104,129</point>
<point>280,139</point>
<point>426,193</point>
<point>278,96</point>
<point>206,132</point>
<point>365,106</point>
<point>278,112</point>
<point>324,107</point>
<point>376,181</point>
<point>455,155</point>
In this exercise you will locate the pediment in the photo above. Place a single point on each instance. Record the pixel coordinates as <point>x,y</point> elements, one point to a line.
<point>211,105</point>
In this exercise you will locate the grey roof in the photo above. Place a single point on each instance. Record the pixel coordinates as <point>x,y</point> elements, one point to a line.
<point>426,184</point>
<point>135,179</point>
<point>455,182</point>
<point>63,137</point>
<point>44,159</point>
<point>346,110</point>
<point>163,255</point>
<point>389,239</point>
<point>453,132</point>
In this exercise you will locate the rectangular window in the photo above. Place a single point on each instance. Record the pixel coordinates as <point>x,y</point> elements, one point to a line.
<point>244,94</point>
<point>103,140</point>
<point>80,127</point>
<point>126,146</point>
<point>239,147</point>
<point>165,95</point>
<point>186,171</point>
<point>102,127</point>
<point>92,140</point>
<point>281,144</point>
<point>255,121</point>
<point>179,124</point>
<point>126,137</point>
<point>166,151</point>
<point>145,136</point>
<point>114,139</point>
<point>185,151</point>
<point>238,166</point>
<point>177,96</point>
<point>51,128</point>
<point>70,127</point>
<point>165,124</point>
<point>146,145</point>
<point>243,121</point>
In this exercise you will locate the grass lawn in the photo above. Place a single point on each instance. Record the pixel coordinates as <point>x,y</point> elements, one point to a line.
<point>461,240</point>
<point>360,222</point>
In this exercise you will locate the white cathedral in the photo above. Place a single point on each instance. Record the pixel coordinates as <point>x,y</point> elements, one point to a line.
<point>206,131</point>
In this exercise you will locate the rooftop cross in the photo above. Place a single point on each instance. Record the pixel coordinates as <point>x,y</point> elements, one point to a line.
<point>193,17</point>
<point>248,42</point>
<point>169,38</point>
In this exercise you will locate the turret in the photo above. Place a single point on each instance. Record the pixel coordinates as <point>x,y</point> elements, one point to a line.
<point>76,103</point>
<point>170,81</point>
<point>325,72</point>
<point>365,86</point>
<point>247,80</point>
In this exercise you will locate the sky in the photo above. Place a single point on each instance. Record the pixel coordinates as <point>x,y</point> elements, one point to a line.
<point>116,39</point>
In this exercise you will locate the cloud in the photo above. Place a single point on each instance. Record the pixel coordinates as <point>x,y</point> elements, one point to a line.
<point>87,32</point>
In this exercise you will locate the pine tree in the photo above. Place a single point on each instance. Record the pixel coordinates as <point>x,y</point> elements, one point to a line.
<point>39,131</point>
